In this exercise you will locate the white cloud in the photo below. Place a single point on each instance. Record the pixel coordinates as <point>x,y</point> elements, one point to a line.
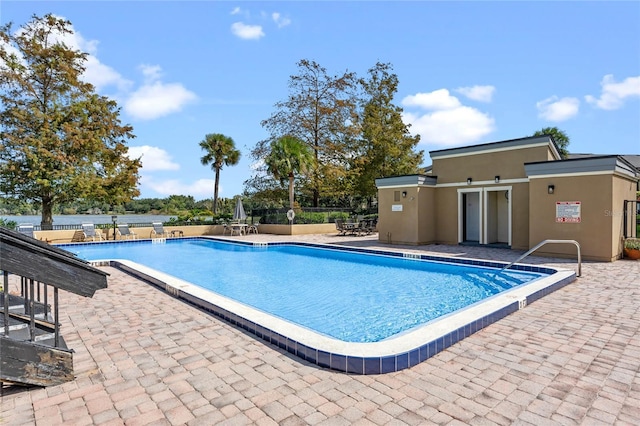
<point>102,76</point>
<point>613,94</point>
<point>152,100</point>
<point>247,32</point>
<point>201,187</point>
<point>153,158</point>
<point>151,73</point>
<point>279,20</point>
<point>450,127</point>
<point>156,99</point>
<point>448,122</point>
<point>558,109</point>
<point>477,93</point>
<point>436,100</point>
<point>96,73</point>
<point>257,164</point>
<point>10,49</point>
<point>236,10</point>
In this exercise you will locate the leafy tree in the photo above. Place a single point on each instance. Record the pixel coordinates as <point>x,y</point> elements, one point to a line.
<point>288,157</point>
<point>179,203</point>
<point>220,151</point>
<point>319,111</point>
<point>559,137</point>
<point>60,140</point>
<point>385,147</point>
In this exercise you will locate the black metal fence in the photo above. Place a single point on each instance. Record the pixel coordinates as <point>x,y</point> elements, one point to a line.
<point>306,215</point>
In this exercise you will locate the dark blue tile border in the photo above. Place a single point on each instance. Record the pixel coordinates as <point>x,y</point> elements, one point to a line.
<point>341,362</point>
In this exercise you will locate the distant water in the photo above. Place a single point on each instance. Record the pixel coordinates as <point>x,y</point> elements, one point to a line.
<point>77,219</point>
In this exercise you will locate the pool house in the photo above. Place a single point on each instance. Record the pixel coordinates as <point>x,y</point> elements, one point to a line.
<point>514,194</point>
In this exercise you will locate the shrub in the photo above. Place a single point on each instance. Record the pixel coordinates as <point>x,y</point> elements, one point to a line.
<point>632,243</point>
<point>274,218</point>
<point>309,217</point>
<point>338,215</point>
<point>9,224</point>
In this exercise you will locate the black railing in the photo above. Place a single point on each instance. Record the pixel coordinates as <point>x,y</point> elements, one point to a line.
<point>35,309</point>
<point>305,215</point>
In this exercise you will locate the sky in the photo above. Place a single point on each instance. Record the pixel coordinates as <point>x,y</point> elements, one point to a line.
<point>469,72</point>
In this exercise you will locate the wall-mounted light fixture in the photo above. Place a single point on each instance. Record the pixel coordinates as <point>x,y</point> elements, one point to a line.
<point>404,194</point>
<point>469,180</point>
<point>497,179</point>
<point>551,189</point>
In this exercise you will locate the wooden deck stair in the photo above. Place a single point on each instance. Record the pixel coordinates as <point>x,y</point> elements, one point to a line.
<point>32,350</point>
<point>19,322</point>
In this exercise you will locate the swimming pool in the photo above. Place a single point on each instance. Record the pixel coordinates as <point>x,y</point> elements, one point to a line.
<point>348,309</point>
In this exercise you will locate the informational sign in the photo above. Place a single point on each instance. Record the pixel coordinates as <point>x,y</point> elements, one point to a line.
<point>568,211</point>
<point>396,207</point>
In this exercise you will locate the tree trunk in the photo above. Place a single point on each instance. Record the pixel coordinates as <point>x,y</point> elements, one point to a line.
<point>46,223</point>
<point>215,192</point>
<point>291,190</point>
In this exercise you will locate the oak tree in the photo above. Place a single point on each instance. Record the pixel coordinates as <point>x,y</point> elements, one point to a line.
<point>385,146</point>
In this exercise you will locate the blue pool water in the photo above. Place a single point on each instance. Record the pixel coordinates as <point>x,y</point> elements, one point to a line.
<point>353,297</point>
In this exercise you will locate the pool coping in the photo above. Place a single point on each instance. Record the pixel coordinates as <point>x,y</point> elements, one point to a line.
<point>396,353</point>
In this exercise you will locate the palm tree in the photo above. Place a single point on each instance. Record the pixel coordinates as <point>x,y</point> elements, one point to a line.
<point>287,157</point>
<point>220,151</point>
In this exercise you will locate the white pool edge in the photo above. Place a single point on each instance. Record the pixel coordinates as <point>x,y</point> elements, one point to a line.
<point>430,338</point>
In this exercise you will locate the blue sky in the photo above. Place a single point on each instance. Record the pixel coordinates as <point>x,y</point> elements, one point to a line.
<point>469,72</point>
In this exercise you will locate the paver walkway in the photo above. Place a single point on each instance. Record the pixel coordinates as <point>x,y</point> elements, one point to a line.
<point>143,357</point>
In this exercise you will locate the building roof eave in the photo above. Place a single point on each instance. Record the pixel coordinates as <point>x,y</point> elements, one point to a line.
<point>406,180</point>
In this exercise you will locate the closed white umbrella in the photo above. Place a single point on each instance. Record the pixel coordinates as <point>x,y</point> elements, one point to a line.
<point>238,212</point>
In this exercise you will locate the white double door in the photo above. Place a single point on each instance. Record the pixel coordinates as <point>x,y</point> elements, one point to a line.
<point>484,215</point>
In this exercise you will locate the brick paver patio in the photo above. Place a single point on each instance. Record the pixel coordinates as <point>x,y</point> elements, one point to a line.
<point>143,357</point>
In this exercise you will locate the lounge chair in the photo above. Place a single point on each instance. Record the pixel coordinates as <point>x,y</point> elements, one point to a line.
<point>91,233</point>
<point>158,231</point>
<point>26,229</point>
<point>126,233</point>
<point>340,227</point>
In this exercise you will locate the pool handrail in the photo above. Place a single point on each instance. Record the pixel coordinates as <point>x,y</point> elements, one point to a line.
<point>542,243</point>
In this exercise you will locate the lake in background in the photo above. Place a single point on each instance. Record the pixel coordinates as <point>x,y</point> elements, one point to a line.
<point>77,219</point>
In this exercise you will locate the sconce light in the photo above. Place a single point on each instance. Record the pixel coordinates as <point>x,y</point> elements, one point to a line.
<point>551,189</point>
<point>497,179</point>
<point>469,180</point>
<point>404,194</point>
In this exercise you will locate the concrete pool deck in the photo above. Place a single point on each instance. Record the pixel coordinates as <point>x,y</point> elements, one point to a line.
<point>571,357</point>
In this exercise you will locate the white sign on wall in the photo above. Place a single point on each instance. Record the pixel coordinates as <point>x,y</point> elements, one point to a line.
<point>396,207</point>
<point>568,212</point>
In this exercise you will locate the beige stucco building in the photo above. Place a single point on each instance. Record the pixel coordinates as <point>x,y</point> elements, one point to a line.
<point>513,193</point>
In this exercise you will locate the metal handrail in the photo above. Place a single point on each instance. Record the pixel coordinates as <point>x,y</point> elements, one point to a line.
<point>550,242</point>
